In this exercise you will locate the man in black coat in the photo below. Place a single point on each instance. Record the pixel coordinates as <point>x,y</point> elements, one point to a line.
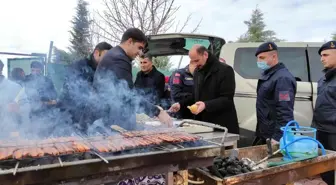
<point>214,88</point>
<point>113,82</point>
<point>149,81</point>
<point>40,90</point>
<point>77,94</point>
<point>324,119</point>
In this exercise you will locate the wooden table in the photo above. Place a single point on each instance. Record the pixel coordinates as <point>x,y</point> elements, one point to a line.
<point>283,174</point>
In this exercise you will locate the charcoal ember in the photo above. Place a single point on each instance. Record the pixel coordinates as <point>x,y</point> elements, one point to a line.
<point>222,171</point>
<point>233,170</point>
<point>229,166</point>
<point>214,170</point>
<point>245,170</point>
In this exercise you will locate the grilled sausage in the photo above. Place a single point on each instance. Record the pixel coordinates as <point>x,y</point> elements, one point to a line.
<point>54,151</point>
<point>100,147</point>
<point>25,152</point>
<point>39,152</point>
<point>85,146</point>
<point>78,147</point>
<point>10,152</point>
<point>18,154</point>
<point>68,150</point>
<point>47,150</point>
<point>3,153</point>
<point>61,150</point>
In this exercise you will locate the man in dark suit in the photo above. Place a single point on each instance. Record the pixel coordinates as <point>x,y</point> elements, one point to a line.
<point>149,81</point>
<point>214,88</point>
<point>113,82</point>
<point>77,96</point>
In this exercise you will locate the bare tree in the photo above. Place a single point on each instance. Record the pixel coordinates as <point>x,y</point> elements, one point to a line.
<point>151,16</point>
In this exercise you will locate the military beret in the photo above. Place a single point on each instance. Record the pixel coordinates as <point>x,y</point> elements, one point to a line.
<point>266,47</point>
<point>326,46</point>
<point>36,64</point>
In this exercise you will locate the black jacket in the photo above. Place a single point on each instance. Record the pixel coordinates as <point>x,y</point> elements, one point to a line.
<point>113,82</point>
<point>77,93</point>
<point>324,118</point>
<point>215,85</point>
<point>275,101</point>
<point>182,84</point>
<point>151,85</point>
<point>40,88</point>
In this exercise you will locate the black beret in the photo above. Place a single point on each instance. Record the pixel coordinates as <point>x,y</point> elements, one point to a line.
<point>36,64</point>
<point>328,45</point>
<point>265,47</point>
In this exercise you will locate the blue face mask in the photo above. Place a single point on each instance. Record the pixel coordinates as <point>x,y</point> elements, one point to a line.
<point>263,65</point>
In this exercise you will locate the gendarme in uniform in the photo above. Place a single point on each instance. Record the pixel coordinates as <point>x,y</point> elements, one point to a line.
<point>324,119</point>
<point>275,94</point>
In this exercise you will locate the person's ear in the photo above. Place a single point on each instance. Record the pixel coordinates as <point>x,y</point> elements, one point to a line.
<point>206,54</point>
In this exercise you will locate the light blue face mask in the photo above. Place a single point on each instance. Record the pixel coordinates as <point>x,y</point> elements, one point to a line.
<point>262,65</point>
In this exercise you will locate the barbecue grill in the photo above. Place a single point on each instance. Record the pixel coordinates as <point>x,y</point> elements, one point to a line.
<point>104,159</point>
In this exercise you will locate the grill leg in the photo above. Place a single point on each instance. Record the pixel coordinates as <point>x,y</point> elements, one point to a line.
<point>169,178</point>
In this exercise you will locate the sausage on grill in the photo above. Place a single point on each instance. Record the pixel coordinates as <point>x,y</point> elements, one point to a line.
<point>61,150</point>
<point>99,146</point>
<point>80,146</point>
<point>18,154</point>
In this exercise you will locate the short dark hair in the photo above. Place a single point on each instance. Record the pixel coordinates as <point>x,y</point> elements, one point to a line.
<point>200,50</point>
<point>148,55</point>
<point>103,46</point>
<point>135,34</point>
<point>36,64</point>
<point>16,73</point>
<point>1,65</point>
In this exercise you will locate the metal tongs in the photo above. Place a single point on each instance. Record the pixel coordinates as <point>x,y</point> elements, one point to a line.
<point>269,152</point>
<point>211,125</point>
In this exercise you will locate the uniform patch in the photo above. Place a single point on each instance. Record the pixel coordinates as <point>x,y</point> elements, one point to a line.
<point>188,78</point>
<point>284,96</point>
<point>176,80</point>
<point>177,74</point>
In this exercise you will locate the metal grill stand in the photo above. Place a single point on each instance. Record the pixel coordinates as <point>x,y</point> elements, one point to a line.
<point>114,168</point>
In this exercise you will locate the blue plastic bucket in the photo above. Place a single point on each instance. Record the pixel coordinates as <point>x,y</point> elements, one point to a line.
<point>303,148</point>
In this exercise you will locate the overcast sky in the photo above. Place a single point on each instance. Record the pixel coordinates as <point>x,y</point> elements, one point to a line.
<point>29,25</point>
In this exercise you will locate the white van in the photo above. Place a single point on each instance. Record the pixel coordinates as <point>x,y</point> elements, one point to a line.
<point>300,58</point>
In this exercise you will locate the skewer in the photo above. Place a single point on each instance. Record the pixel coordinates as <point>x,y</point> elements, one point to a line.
<point>178,145</point>
<point>163,148</point>
<point>60,161</point>
<point>16,167</point>
<point>101,157</point>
